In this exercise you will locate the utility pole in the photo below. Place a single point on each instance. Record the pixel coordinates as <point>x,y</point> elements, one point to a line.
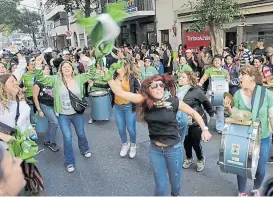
<point>45,43</point>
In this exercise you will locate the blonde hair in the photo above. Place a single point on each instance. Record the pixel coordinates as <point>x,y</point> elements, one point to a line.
<point>128,68</point>
<point>4,96</point>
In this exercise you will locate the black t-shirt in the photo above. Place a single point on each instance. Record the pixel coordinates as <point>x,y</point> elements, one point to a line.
<point>45,95</point>
<point>191,64</point>
<point>259,52</point>
<point>162,123</point>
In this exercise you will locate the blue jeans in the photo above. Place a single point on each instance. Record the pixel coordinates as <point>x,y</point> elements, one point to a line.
<point>125,119</point>
<point>220,119</point>
<point>65,124</point>
<point>166,160</point>
<point>260,173</point>
<point>182,119</point>
<point>50,135</point>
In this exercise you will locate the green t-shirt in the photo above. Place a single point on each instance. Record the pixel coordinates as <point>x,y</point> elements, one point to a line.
<point>148,72</point>
<point>242,102</point>
<point>28,81</point>
<point>212,71</point>
<point>183,68</point>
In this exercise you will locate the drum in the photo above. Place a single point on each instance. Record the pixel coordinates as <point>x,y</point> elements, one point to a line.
<point>100,105</point>
<point>218,85</point>
<point>240,148</point>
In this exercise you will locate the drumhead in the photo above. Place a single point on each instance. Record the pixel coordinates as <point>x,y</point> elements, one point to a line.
<point>98,93</point>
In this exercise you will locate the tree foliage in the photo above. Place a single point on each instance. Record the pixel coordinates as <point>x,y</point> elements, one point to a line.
<point>8,15</point>
<point>213,14</point>
<point>29,22</point>
<point>87,6</point>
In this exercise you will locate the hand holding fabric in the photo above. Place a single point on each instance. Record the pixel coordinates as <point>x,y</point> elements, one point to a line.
<point>113,68</point>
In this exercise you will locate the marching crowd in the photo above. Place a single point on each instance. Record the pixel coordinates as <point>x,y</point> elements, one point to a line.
<point>146,83</point>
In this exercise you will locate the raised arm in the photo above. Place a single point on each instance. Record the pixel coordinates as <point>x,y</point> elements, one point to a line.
<point>40,77</point>
<point>85,77</point>
<point>21,67</point>
<point>196,116</point>
<point>117,90</point>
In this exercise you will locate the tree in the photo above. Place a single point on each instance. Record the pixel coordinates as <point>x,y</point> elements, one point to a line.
<point>8,15</point>
<point>212,15</point>
<point>29,22</point>
<point>85,5</point>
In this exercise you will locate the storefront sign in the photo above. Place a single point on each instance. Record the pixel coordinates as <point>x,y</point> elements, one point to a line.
<point>132,5</point>
<point>194,40</point>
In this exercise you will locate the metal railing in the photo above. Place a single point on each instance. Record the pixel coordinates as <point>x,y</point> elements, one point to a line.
<point>138,5</point>
<point>145,5</point>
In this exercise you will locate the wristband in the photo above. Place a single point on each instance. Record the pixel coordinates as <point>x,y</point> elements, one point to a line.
<point>39,110</point>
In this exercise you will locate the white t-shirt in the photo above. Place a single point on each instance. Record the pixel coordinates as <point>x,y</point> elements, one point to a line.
<point>7,116</point>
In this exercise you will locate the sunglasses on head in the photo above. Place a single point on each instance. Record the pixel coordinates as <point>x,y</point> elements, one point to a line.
<point>147,60</point>
<point>156,85</point>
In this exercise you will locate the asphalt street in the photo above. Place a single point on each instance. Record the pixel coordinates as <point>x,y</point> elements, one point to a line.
<point>107,174</point>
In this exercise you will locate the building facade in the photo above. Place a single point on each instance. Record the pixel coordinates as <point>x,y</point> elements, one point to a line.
<point>56,23</point>
<point>139,26</point>
<point>174,17</point>
<point>61,27</point>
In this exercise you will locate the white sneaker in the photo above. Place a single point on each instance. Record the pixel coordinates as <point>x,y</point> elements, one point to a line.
<point>124,149</point>
<point>70,168</point>
<point>87,154</point>
<point>90,121</point>
<point>132,151</point>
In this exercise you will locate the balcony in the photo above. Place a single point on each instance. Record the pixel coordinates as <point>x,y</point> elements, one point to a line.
<point>60,22</point>
<point>58,31</point>
<point>54,12</point>
<point>139,8</point>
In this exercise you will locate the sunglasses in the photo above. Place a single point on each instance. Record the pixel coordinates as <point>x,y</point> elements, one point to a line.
<point>147,61</point>
<point>156,85</point>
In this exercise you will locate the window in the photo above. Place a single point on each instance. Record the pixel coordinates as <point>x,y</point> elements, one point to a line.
<point>164,36</point>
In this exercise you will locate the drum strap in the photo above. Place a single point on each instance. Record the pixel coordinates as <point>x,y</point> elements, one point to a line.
<point>256,103</point>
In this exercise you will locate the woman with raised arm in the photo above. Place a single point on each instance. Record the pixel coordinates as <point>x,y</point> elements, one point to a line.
<point>67,80</point>
<point>159,111</point>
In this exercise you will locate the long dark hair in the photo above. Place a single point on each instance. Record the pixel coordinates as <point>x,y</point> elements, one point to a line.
<point>148,100</point>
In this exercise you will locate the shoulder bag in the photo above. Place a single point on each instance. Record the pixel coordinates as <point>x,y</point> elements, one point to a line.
<point>79,105</point>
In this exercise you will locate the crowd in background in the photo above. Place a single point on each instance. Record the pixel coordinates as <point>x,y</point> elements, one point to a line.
<point>46,80</point>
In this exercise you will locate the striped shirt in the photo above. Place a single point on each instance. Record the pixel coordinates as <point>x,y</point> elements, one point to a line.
<point>246,56</point>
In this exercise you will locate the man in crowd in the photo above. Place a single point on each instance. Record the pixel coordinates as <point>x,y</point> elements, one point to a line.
<point>167,58</point>
<point>244,55</point>
<point>259,50</point>
<point>191,60</point>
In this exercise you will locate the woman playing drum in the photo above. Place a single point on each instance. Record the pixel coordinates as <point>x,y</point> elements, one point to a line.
<point>250,80</point>
<point>217,70</point>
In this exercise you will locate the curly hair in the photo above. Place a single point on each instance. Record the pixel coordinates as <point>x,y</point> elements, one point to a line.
<point>148,100</point>
<point>252,71</point>
<point>4,96</point>
<point>192,77</point>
